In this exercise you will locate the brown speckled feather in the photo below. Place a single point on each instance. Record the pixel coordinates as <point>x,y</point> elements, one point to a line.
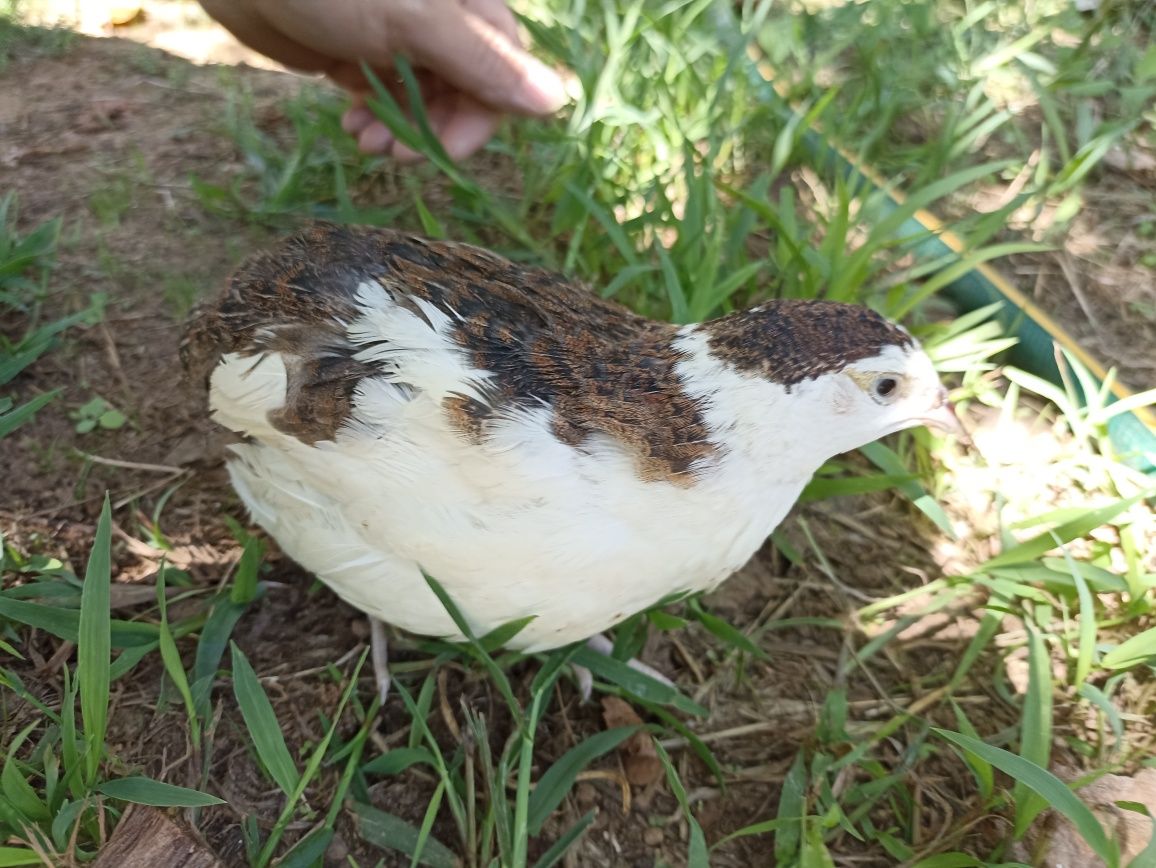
<point>547,340</point>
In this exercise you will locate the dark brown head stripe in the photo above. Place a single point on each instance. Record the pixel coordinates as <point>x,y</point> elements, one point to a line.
<point>791,340</point>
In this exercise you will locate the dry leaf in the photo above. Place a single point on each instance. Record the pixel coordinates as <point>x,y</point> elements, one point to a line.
<point>639,758</point>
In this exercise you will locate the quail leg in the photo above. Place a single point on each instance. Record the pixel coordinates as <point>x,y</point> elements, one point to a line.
<point>379,654</point>
<point>601,645</point>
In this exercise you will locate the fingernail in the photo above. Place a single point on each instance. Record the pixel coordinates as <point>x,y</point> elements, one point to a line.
<point>375,139</point>
<point>543,90</point>
<point>356,119</point>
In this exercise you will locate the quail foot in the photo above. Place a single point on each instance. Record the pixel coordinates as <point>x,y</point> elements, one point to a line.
<point>408,406</point>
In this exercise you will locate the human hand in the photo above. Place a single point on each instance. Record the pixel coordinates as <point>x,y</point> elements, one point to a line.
<point>470,63</point>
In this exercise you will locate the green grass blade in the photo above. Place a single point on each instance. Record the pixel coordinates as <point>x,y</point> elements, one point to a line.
<point>427,821</point>
<point>175,669</point>
<point>1036,729</point>
<point>635,682</point>
<point>558,849</point>
<point>312,767</point>
<point>724,631</point>
<point>1087,522</point>
<point>11,857</point>
<point>262,724</point>
<point>65,623</point>
<point>94,645</point>
<point>393,833</point>
<point>890,463</point>
<point>984,774</point>
<point>557,780</point>
<point>1133,651</point>
<point>675,294</point>
<point>244,588</point>
<point>399,759</point>
<point>309,851</point>
<point>146,791</point>
<point>611,226</point>
<point>223,617</point>
<point>18,792</point>
<point>476,647</point>
<point>1054,791</point>
<point>950,860</point>
<point>697,855</point>
<point>1086,635</point>
<point>10,420</point>
<point>792,808</point>
<point>499,637</point>
<point>814,853</point>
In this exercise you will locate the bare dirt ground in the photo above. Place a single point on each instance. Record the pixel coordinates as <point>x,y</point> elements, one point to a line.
<point>106,134</point>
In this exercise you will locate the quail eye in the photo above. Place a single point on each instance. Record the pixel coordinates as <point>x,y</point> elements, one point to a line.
<point>885,388</point>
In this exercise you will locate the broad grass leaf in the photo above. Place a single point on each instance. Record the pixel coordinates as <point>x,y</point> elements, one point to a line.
<point>10,420</point>
<point>396,761</point>
<point>94,644</point>
<point>475,646</point>
<point>1132,651</point>
<point>1054,791</point>
<point>11,857</point>
<point>635,682</point>
<point>146,791</point>
<point>792,807</point>
<point>223,617</point>
<point>309,851</point>
<point>950,860</point>
<point>557,780</point>
<point>20,794</point>
<point>697,855</point>
<point>891,464</point>
<point>393,833</point>
<point>1036,728</point>
<point>814,853</point>
<point>1088,521</point>
<point>171,657</point>
<point>499,637</point>
<point>65,623</point>
<point>262,724</point>
<point>726,632</point>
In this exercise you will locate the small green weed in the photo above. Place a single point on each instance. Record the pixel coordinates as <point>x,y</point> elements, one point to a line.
<point>96,413</point>
<point>112,200</point>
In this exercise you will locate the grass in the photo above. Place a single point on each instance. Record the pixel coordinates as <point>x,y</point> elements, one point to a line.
<point>676,185</point>
<point>25,261</point>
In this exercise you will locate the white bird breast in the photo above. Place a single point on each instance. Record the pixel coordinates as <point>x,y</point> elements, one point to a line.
<point>521,524</point>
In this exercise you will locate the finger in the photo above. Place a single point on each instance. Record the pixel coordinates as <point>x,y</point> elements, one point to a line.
<point>253,30</point>
<point>356,119</point>
<point>438,111</point>
<point>469,128</point>
<point>477,55</point>
<point>375,139</point>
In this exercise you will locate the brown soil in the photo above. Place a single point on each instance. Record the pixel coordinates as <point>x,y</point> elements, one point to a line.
<point>107,135</point>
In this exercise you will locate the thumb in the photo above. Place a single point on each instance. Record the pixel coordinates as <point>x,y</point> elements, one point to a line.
<point>474,46</point>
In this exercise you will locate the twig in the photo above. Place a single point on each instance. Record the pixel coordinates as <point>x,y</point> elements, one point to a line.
<point>1076,286</point>
<point>133,465</point>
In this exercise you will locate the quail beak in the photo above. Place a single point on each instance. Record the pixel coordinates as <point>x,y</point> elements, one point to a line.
<point>943,418</point>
